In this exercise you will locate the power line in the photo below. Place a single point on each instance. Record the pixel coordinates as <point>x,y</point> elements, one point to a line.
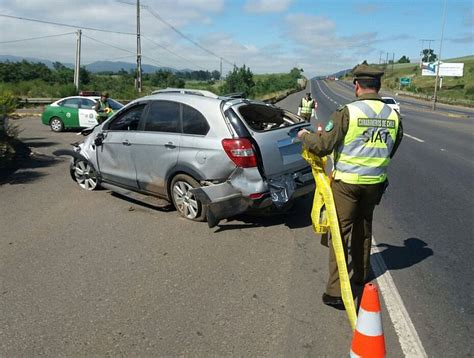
<point>153,12</point>
<point>123,49</point>
<point>173,53</point>
<point>107,44</point>
<point>36,38</point>
<point>66,25</point>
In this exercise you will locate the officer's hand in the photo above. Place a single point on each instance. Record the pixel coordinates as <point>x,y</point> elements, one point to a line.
<point>301,132</point>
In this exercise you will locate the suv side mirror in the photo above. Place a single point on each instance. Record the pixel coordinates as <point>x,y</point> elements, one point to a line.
<point>99,139</point>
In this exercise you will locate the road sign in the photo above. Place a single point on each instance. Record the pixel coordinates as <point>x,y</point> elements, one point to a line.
<point>405,80</point>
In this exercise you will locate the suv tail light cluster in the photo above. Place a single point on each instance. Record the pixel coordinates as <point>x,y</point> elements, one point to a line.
<point>240,151</point>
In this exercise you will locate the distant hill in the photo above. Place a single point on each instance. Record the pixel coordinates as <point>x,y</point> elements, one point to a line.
<point>5,58</point>
<point>337,74</point>
<point>101,66</point>
<point>98,66</point>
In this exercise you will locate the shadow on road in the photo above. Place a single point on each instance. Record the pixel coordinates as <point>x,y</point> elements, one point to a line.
<point>412,252</point>
<point>22,169</point>
<point>394,257</point>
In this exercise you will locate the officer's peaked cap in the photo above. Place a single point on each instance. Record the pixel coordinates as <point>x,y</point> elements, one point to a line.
<point>366,72</point>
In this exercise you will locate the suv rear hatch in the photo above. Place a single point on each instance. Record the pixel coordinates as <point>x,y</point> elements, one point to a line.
<point>272,133</point>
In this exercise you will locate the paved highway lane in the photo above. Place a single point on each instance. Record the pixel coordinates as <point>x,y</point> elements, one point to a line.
<point>91,273</point>
<point>424,225</point>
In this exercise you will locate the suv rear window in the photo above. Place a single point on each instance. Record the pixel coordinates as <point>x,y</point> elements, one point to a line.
<point>194,122</point>
<point>260,117</point>
<point>389,100</point>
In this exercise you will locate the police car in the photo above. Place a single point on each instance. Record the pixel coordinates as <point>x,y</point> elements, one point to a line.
<point>74,112</point>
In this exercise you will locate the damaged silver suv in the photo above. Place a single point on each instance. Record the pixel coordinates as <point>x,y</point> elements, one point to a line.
<point>211,157</point>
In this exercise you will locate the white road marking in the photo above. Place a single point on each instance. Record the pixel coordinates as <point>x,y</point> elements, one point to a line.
<point>414,138</point>
<point>324,93</point>
<point>338,94</point>
<point>407,335</point>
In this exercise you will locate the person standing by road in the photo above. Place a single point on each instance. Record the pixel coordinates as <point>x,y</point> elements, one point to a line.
<point>307,107</point>
<point>102,107</point>
<point>363,136</point>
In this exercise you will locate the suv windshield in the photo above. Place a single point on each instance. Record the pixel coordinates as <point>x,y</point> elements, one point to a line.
<point>261,117</point>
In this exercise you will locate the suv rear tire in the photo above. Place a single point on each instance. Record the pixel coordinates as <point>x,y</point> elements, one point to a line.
<point>185,202</point>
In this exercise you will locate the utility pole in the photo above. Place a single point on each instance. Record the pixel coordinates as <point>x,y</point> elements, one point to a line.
<point>439,56</point>
<point>221,69</point>
<point>386,60</point>
<point>139,52</point>
<point>393,60</point>
<point>77,65</point>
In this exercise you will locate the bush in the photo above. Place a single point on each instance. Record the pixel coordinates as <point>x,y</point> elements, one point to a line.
<point>469,90</point>
<point>8,104</point>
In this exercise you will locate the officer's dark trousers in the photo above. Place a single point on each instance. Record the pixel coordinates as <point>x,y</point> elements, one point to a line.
<point>355,207</point>
<point>306,116</point>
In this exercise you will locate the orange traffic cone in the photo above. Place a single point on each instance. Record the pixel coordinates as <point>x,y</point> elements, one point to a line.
<point>368,341</point>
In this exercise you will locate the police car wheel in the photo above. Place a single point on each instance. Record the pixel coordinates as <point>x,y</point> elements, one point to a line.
<point>184,201</point>
<point>56,124</point>
<point>85,175</point>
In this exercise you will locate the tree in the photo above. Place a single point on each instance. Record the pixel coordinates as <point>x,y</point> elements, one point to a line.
<point>296,73</point>
<point>428,55</point>
<point>403,59</point>
<point>216,75</point>
<point>84,76</point>
<point>239,80</point>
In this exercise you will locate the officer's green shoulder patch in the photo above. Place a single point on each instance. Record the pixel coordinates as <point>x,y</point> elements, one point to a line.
<point>329,126</point>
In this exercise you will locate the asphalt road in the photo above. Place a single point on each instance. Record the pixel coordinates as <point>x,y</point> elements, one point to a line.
<point>91,273</point>
<point>424,226</point>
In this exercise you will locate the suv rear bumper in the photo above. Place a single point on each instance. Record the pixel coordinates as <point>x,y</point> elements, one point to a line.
<point>224,200</point>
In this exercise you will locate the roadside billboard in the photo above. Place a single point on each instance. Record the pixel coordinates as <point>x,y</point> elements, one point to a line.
<point>445,69</point>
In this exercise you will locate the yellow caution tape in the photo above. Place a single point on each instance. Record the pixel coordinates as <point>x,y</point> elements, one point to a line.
<point>323,199</point>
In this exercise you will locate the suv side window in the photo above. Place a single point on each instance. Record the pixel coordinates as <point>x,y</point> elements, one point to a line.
<point>194,122</point>
<point>163,116</point>
<point>128,120</point>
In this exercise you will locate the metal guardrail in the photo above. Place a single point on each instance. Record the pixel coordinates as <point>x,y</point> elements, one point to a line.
<point>37,100</point>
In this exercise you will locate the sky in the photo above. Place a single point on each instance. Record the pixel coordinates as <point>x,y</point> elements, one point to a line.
<point>268,36</point>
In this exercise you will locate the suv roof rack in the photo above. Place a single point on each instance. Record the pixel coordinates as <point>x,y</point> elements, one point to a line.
<point>234,95</point>
<point>196,92</point>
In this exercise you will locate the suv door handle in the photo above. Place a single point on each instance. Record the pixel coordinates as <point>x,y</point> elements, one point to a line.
<point>170,145</point>
<point>126,142</point>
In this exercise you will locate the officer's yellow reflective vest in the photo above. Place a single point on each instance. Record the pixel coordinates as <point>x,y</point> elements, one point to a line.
<point>364,155</point>
<point>307,106</point>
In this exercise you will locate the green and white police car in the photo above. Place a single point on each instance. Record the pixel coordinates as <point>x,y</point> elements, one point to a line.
<point>74,112</point>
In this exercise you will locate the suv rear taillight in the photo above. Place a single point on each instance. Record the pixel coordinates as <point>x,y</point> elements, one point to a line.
<point>240,151</point>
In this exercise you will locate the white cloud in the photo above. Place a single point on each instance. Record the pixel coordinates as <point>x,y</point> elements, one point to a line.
<point>265,6</point>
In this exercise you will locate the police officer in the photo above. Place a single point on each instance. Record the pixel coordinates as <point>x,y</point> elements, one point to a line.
<point>102,107</point>
<point>307,107</point>
<point>363,136</point>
